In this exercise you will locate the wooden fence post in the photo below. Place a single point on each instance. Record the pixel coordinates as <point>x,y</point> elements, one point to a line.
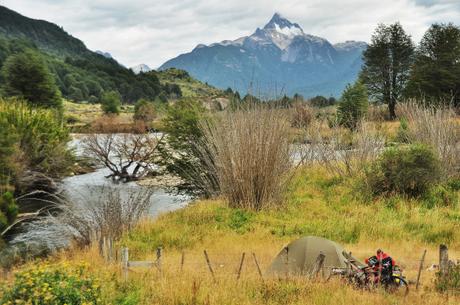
<point>443,260</point>
<point>182,259</point>
<point>286,250</point>
<point>241,266</point>
<point>159,252</point>
<point>257,265</point>
<point>208,262</point>
<point>318,265</point>
<point>125,262</point>
<point>420,268</point>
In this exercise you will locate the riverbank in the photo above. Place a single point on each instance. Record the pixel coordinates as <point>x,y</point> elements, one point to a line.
<point>316,204</point>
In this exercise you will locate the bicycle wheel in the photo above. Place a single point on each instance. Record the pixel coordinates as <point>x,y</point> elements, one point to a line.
<point>398,286</point>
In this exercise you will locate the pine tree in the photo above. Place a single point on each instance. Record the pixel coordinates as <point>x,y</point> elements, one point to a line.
<point>26,75</point>
<point>436,73</point>
<point>387,64</point>
<point>353,105</point>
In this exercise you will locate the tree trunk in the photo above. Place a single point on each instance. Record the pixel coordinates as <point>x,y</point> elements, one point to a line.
<point>392,109</point>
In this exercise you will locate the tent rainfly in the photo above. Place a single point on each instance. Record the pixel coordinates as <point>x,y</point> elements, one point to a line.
<point>299,257</point>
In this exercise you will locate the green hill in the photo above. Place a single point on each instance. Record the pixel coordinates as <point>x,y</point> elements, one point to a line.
<point>80,73</point>
<point>189,86</point>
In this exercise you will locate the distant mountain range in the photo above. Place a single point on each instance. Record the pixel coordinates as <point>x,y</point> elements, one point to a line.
<point>277,59</point>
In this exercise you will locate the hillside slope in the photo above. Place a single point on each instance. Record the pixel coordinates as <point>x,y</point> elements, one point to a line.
<point>80,73</point>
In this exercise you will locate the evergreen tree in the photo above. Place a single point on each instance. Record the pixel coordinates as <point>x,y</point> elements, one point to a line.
<point>26,75</point>
<point>387,64</point>
<point>353,105</point>
<point>110,102</point>
<point>436,73</point>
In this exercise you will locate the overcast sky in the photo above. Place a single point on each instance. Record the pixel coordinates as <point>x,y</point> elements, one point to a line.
<point>153,31</point>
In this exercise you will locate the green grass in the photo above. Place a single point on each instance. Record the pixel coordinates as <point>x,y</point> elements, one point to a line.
<point>316,204</point>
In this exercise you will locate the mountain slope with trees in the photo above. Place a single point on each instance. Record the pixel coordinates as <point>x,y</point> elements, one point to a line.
<point>81,75</point>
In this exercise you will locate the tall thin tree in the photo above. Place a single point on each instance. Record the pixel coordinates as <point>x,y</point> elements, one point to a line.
<point>435,77</point>
<point>387,64</point>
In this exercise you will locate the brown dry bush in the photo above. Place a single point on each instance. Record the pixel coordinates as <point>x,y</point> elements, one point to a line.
<point>252,155</point>
<point>437,128</point>
<point>113,124</point>
<point>302,115</point>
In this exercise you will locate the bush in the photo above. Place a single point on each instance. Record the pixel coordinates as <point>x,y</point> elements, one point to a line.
<point>39,143</point>
<point>27,76</point>
<point>403,134</point>
<point>449,282</point>
<point>110,102</point>
<point>353,105</point>
<point>43,284</point>
<point>302,115</point>
<point>437,128</point>
<point>144,110</point>
<point>252,155</point>
<point>409,170</point>
<point>8,210</point>
<point>183,155</point>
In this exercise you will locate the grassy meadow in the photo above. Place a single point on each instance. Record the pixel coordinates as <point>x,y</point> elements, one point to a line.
<point>316,203</point>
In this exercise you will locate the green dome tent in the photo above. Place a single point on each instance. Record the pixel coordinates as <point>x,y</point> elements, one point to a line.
<point>301,255</point>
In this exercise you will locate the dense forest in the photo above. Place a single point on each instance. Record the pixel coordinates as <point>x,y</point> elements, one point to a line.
<point>81,75</point>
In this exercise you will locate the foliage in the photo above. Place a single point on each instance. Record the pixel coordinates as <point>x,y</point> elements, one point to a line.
<point>403,135</point>
<point>410,170</point>
<point>436,73</point>
<point>8,210</point>
<point>387,63</point>
<point>436,127</point>
<point>80,74</point>
<point>144,110</point>
<point>353,105</point>
<point>110,102</point>
<point>183,155</point>
<point>332,206</point>
<point>26,75</point>
<point>39,142</point>
<point>450,282</point>
<point>321,101</point>
<point>44,284</point>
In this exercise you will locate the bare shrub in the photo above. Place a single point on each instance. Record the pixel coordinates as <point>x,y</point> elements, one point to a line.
<point>301,115</point>
<point>128,156</point>
<point>107,212</point>
<point>341,151</point>
<point>252,155</point>
<point>377,113</point>
<point>435,127</point>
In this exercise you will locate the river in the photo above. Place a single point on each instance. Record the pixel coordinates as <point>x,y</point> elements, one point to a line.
<point>80,188</point>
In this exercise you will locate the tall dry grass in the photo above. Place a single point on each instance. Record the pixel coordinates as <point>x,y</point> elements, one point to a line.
<point>436,127</point>
<point>251,153</point>
<point>341,151</point>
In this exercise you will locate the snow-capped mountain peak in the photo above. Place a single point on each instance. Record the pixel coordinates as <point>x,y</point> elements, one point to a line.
<point>141,68</point>
<point>281,23</point>
<point>279,31</point>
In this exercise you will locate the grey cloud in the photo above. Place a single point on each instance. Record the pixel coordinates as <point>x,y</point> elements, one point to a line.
<point>151,32</point>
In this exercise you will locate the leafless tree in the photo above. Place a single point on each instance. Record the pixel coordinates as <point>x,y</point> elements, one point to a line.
<point>128,156</point>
